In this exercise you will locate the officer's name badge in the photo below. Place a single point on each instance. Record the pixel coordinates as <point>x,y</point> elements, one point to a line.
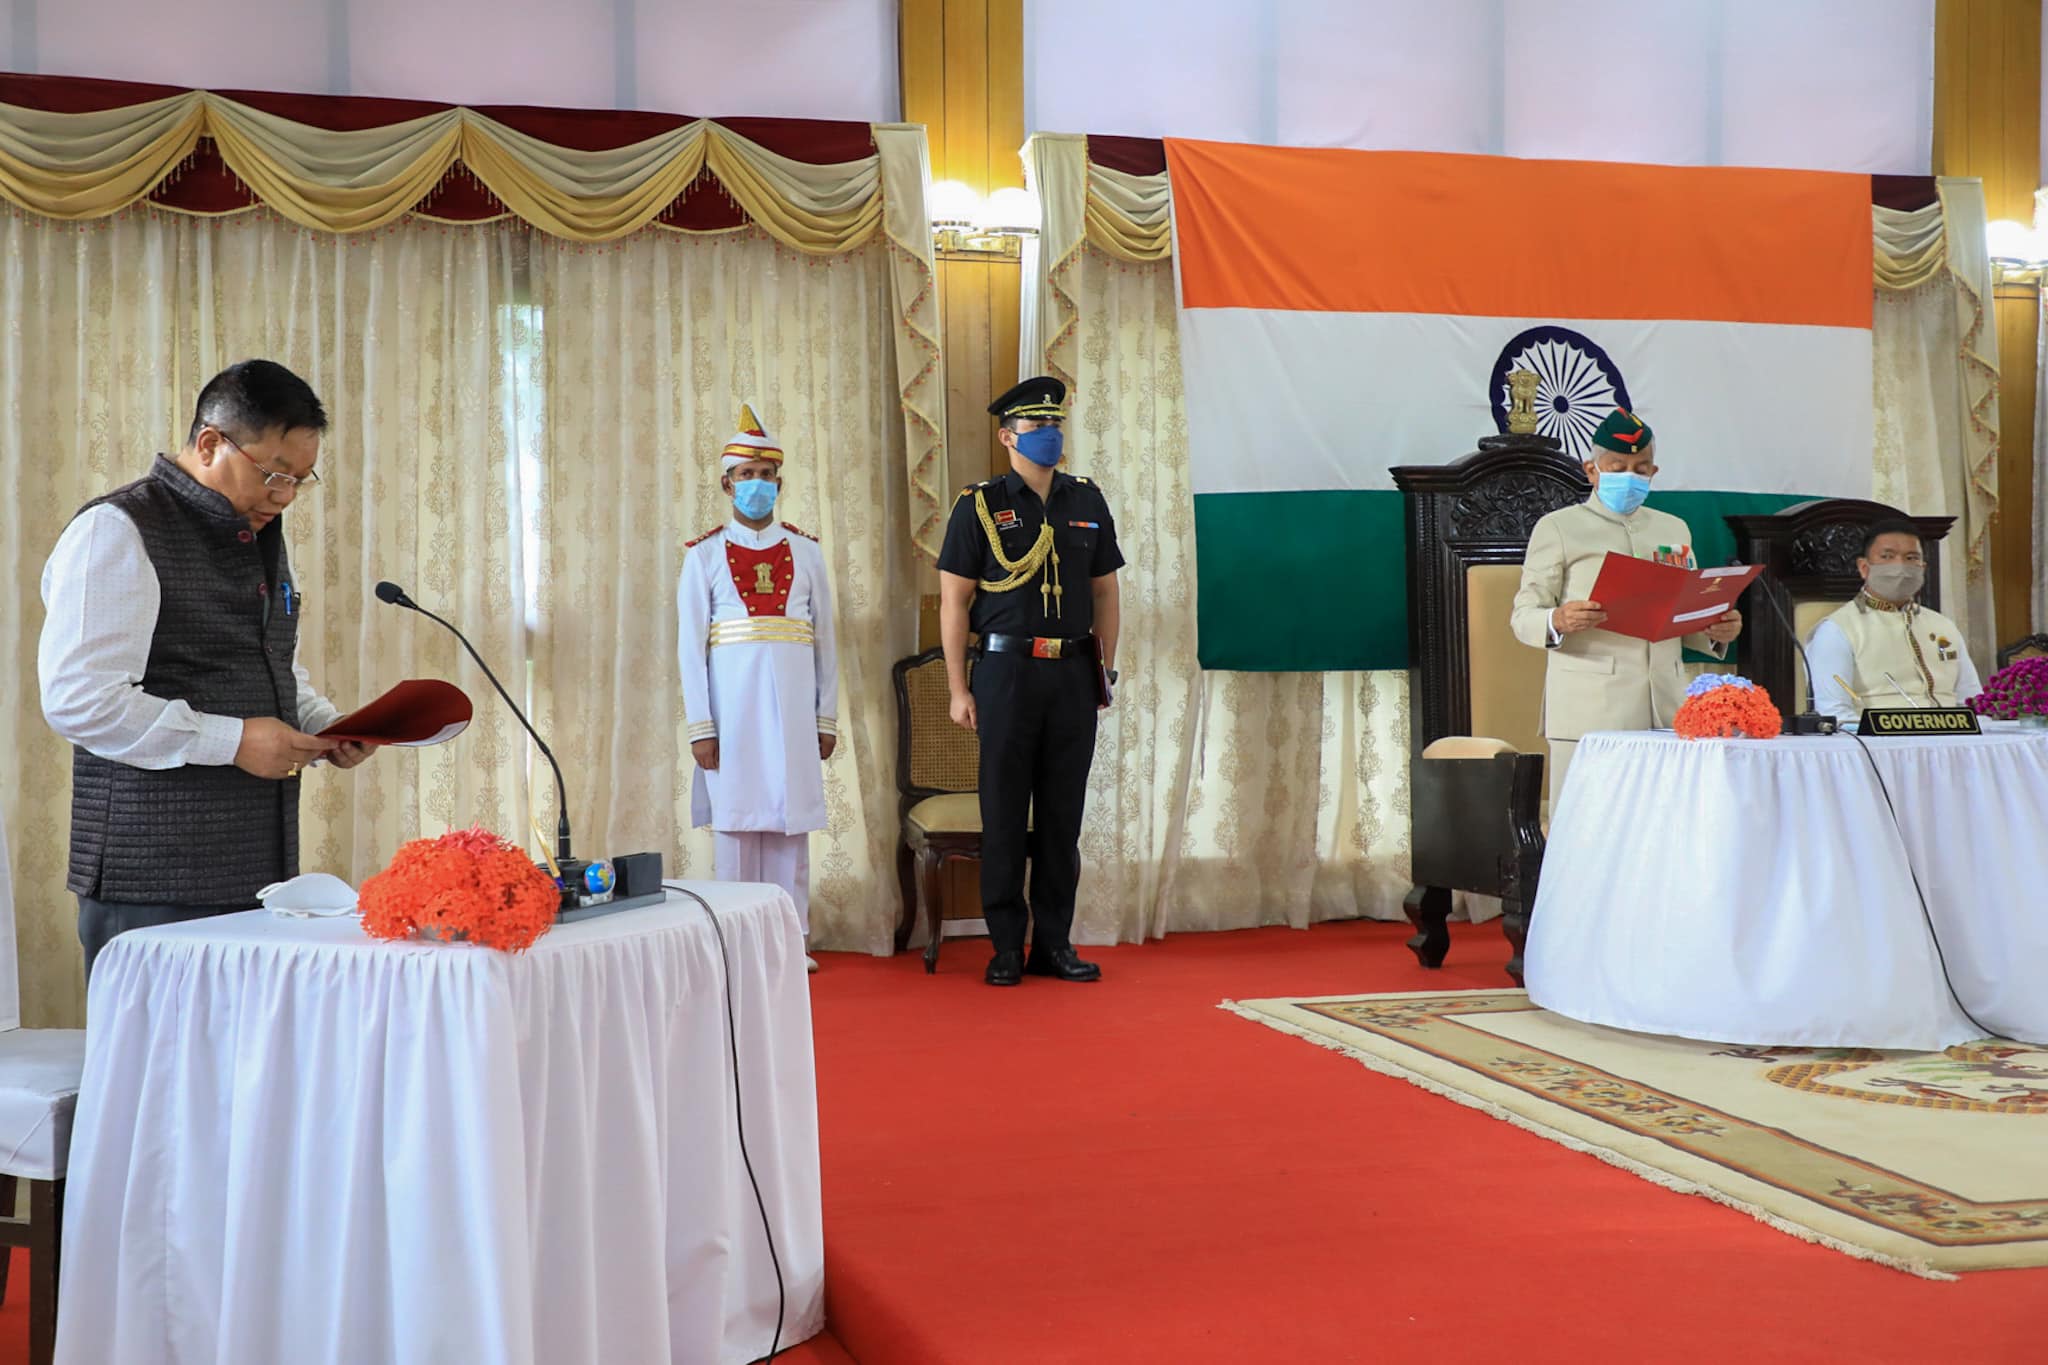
<point>1006,519</point>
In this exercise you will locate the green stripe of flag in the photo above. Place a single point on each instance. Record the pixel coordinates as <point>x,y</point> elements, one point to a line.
<point>1317,581</point>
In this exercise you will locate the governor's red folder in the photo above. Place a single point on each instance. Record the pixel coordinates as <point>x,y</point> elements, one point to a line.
<point>417,712</point>
<point>1646,600</point>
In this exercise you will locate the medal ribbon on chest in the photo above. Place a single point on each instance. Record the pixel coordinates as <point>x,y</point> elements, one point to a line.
<point>762,577</point>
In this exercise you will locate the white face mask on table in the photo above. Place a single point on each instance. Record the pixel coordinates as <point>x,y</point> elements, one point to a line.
<point>318,895</point>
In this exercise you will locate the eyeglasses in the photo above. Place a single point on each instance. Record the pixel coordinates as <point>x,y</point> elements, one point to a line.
<point>274,478</point>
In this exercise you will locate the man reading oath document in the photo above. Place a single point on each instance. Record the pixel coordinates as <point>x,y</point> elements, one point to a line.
<point>169,661</point>
<point>1595,679</point>
<point>760,678</point>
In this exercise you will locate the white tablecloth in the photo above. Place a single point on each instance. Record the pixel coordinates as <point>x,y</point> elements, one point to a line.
<point>1757,892</point>
<point>299,1146</point>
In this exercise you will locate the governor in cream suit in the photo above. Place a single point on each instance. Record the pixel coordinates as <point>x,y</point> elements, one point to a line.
<point>1595,679</point>
<point>1884,648</point>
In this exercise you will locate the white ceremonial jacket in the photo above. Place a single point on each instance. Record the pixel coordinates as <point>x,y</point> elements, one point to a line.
<point>760,675</point>
<point>1861,644</point>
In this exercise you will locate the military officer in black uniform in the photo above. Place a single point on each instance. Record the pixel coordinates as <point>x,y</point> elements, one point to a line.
<point>1029,565</point>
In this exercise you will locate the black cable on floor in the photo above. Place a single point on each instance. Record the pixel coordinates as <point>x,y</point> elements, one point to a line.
<point>739,1116</point>
<point>1907,851</point>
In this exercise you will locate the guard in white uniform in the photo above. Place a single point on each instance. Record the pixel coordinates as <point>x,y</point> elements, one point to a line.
<point>760,678</point>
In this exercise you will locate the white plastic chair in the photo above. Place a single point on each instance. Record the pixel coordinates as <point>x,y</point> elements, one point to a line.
<point>39,1075</point>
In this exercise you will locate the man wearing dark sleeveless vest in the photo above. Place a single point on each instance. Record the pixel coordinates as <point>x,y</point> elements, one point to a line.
<point>168,661</point>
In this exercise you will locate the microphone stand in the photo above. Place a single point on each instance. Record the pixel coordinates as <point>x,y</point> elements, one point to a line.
<point>1904,696</point>
<point>1810,721</point>
<point>397,597</point>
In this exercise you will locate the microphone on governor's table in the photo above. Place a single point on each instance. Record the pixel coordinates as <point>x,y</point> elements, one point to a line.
<point>1903,696</point>
<point>590,888</point>
<point>1810,721</point>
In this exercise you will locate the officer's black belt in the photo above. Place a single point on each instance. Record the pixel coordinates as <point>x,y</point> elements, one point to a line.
<point>1040,647</point>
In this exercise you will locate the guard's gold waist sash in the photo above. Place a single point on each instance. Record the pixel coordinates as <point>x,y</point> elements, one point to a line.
<point>760,630</point>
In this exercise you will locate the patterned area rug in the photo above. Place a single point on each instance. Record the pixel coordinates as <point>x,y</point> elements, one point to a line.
<point>1928,1162</point>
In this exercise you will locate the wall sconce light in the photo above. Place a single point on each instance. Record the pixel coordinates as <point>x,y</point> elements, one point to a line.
<point>2018,252</point>
<point>967,227</point>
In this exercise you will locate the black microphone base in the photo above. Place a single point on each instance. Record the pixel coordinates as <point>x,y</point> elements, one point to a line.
<point>1811,723</point>
<point>590,889</point>
<point>568,915</point>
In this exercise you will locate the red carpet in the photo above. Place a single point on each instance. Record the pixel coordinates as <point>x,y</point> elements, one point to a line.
<point>1123,1173</point>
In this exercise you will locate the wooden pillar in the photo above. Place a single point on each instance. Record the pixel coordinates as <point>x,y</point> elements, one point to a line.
<point>962,69</point>
<point>1987,123</point>
<point>963,78</point>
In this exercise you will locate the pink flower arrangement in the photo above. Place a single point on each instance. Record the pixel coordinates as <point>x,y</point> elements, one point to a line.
<point>2018,690</point>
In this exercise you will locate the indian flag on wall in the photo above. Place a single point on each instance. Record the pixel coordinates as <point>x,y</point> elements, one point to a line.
<point>1342,312</point>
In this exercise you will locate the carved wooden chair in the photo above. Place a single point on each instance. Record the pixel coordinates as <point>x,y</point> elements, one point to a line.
<point>1809,553</point>
<point>937,777</point>
<point>1475,705</point>
<point>2027,647</point>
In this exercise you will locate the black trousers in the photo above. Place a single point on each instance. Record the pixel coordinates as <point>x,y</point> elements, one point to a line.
<point>99,921</point>
<point>1036,720</point>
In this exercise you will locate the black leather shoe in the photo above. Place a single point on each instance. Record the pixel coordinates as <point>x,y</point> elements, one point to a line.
<point>1063,963</point>
<point>1005,969</point>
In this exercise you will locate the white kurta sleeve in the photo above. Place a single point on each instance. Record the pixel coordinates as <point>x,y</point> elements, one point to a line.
<point>826,648</point>
<point>693,647</point>
<point>101,599</point>
<point>1968,684</point>
<point>1831,656</point>
<point>316,713</point>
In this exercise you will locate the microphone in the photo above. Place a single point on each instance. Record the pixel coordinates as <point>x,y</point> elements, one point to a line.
<point>1810,721</point>
<point>388,591</point>
<point>1900,690</point>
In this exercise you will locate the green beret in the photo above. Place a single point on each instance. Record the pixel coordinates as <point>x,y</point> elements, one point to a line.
<point>1623,431</point>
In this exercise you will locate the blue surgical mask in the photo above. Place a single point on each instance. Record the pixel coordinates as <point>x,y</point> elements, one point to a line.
<point>755,498</point>
<point>1623,493</point>
<point>1041,446</point>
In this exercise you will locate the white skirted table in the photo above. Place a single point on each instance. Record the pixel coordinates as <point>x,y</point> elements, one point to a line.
<point>1756,891</point>
<point>295,1143</point>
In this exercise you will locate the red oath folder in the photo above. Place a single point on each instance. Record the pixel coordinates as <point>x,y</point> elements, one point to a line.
<point>417,712</point>
<point>1646,600</point>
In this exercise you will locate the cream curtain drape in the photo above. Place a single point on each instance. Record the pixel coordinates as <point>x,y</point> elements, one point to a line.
<point>1934,376</point>
<point>524,433</point>
<point>81,167</point>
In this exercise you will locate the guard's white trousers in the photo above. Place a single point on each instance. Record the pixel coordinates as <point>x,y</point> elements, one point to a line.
<point>782,860</point>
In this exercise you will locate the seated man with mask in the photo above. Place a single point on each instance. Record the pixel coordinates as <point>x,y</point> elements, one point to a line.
<point>1887,648</point>
<point>1595,679</point>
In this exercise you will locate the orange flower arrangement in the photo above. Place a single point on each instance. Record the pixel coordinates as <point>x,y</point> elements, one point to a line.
<point>1722,706</point>
<point>469,884</point>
